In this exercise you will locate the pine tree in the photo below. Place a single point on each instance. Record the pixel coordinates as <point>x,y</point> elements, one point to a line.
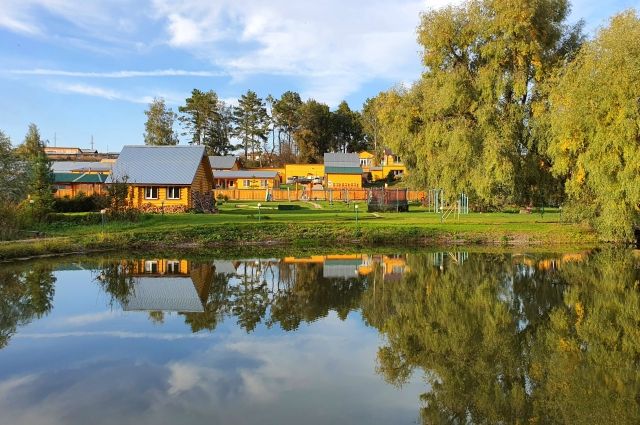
<point>40,188</point>
<point>208,121</point>
<point>251,123</point>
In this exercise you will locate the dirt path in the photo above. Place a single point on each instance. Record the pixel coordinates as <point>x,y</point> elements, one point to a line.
<point>316,206</point>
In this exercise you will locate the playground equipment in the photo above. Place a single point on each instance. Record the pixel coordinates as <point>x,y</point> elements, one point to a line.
<point>381,200</point>
<point>436,204</point>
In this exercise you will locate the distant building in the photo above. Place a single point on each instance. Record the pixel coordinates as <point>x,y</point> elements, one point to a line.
<point>70,178</point>
<point>165,175</point>
<point>76,154</point>
<point>246,179</point>
<point>342,171</point>
<point>224,163</point>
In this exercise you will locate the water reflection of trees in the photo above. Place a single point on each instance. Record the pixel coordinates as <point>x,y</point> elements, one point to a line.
<point>498,338</point>
<point>500,342</point>
<point>25,293</point>
<point>260,291</point>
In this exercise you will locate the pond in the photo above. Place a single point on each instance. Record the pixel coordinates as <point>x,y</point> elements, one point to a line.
<point>419,337</point>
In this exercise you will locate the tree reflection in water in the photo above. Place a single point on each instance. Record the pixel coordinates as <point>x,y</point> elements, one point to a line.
<point>25,293</point>
<point>499,342</point>
<point>499,338</point>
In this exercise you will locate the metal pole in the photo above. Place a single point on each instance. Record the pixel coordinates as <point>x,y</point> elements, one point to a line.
<point>356,208</point>
<point>259,205</point>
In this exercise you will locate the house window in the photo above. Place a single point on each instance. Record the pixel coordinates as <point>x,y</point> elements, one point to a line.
<point>231,183</point>
<point>263,183</point>
<point>396,159</point>
<point>397,173</point>
<point>365,162</point>
<point>173,193</point>
<point>150,192</point>
<point>173,267</point>
<point>247,183</point>
<point>151,266</point>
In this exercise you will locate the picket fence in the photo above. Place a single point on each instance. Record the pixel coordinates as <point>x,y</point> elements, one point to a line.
<point>291,195</point>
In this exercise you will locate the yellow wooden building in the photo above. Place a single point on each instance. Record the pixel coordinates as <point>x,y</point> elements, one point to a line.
<point>306,171</point>
<point>367,160</point>
<point>390,163</point>
<point>342,171</point>
<point>71,178</point>
<point>165,176</point>
<point>246,179</point>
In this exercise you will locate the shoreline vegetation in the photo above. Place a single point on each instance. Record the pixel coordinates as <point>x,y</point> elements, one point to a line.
<point>245,228</point>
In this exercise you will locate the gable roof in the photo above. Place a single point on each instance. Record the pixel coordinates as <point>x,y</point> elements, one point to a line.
<point>341,160</point>
<point>164,294</point>
<point>222,162</point>
<point>84,166</point>
<point>79,178</point>
<point>158,165</point>
<point>343,170</point>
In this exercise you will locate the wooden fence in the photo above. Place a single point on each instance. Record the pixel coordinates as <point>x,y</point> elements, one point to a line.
<point>291,195</point>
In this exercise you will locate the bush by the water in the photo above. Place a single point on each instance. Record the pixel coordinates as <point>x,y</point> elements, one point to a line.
<point>11,221</point>
<point>81,203</point>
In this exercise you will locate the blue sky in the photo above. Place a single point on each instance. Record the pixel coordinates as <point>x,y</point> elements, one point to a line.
<point>83,68</point>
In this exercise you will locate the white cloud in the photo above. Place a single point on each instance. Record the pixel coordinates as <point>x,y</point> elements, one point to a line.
<point>86,319</point>
<point>113,334</point>
<point>114,95</point>
<point>116,74</point>
<point>334,47</point>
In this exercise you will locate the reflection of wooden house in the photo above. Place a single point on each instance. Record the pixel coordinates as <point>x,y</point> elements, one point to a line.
<point>169,285</point>
<point>394,267</point>
<point>353,265</point>
<point>160,267</point>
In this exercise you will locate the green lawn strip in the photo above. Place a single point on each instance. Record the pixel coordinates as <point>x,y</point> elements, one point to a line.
<point>306,227</point>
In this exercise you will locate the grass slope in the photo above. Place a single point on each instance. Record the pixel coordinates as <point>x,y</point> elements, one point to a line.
<point>238,224</point>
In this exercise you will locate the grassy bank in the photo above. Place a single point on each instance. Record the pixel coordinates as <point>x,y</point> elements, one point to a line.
<point>243,225</point>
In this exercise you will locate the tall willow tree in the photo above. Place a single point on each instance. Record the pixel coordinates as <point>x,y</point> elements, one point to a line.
<point>468,123</point>
<point>595,126</point>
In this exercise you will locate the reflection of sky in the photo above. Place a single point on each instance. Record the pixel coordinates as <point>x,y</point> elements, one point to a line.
<point>87,362</point>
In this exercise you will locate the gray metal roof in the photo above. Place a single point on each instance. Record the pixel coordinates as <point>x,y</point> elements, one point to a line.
<point>341,160</point>
<point>68,166</point>
<point>244,174</point>
<point>163,294</point>
<point>222,162</point>
<point>158,165</point>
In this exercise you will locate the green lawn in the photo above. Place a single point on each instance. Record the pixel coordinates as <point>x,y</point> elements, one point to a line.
<point>239,223</point>
<point>338,214</point>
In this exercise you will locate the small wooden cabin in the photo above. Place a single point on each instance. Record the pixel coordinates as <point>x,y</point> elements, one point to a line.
<point>166,176</point>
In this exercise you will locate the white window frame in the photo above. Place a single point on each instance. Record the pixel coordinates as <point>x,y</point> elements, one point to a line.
<point>397,159</point>
<point>151,189</point>
<point>173,267</point>
<point>263,183</point>
<point>170,189</point>
<point>151,266</point>
<point>247,183</point>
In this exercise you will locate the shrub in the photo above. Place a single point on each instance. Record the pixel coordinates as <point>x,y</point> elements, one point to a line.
<point>81,203</point>
<point>11,221</point>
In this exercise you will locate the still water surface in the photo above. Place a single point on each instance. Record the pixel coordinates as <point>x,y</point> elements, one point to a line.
<point>431,337</point>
